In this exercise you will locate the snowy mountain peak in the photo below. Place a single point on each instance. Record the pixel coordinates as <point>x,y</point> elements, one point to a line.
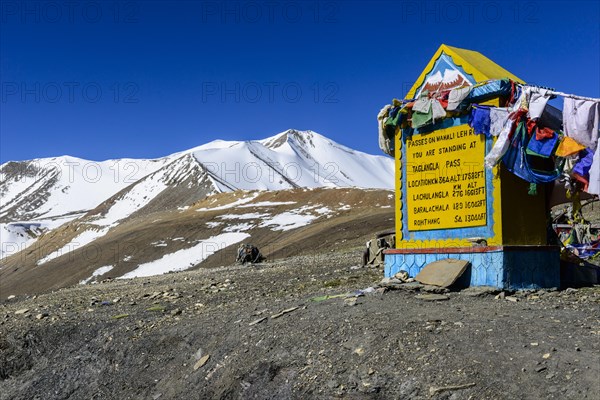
<point>56,190</point>
<point>302,138</point>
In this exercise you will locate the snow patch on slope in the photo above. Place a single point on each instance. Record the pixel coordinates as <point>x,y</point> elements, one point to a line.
<point>237,203</point>
<point>238,227</point>
<point>97,273</point>
<point>243,216</point>
<point>131,201</point>
<point>267,204</point>
<point>186,258</point>
<point>84,238</point>
<point>136,198</point>
<point>17,236</point>
<point>287,221</point>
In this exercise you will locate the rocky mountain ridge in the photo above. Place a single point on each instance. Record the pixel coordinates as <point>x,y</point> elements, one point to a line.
<point>38,196</point>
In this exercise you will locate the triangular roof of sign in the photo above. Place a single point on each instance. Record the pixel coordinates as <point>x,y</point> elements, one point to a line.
<point>474,63</point>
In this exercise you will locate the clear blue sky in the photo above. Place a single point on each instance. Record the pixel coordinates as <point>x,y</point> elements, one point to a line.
<point>103,80</point>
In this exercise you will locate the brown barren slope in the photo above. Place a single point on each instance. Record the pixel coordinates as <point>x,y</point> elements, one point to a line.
<point>344,219</point>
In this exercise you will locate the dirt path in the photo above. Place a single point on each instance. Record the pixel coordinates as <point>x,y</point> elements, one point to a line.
<point>270,332</point>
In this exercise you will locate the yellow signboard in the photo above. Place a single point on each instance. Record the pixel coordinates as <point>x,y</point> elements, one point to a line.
<point>445,180</point>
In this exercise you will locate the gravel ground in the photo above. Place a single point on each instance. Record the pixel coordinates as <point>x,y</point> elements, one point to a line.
<point>294,328</point>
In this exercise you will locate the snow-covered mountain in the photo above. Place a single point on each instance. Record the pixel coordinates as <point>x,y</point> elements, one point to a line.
<point>39,195</point>
<point>60,186</point>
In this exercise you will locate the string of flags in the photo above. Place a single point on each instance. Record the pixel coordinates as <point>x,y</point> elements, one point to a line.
<point>534,140</point>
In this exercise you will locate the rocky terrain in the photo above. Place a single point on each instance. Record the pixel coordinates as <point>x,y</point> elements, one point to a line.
<point>310,326</point>
<point>127,290</point>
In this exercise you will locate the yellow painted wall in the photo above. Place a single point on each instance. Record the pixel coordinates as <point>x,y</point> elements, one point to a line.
<point>518,219</point>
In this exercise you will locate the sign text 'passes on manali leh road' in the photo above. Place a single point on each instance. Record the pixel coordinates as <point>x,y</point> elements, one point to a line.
<point>445,179</point>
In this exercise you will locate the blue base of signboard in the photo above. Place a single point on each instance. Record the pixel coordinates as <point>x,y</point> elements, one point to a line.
<point>505,267</point>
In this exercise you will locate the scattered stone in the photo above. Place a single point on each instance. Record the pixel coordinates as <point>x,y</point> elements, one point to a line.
<point>434,289</point>
<point>512,298</point>
<point>403,276</point>
<point>156,308</point>
<point>442,272</point>
<point>435,390</point>
<point>12,296</point>
<point>380,290</point>
<point>365,291</point>
<point>410,286</point>
<point>200,363</point>
<point>153,295</point>
<point>523,293</point>
<point>432,297</point>
<point>171,296</point>
<point>400,285</point>
<point>175,312</point>
<point>41,315</point>
<point>479,291</point>
<point>570,291</point>
<point>546,356</point>
<point>351,301</point>
<point>332,384</point>
<point>541,368</point>
<point>22,311</point>
<point>342,338</point>
<point>390,281</point>
<point>120,316</point>
<point>500,296</point>
<point>258,321</point>
<point>288,310</point>
<point>554,293</point>
<point>116,300</point>
<point>360,351</point>
<point>550,375</point>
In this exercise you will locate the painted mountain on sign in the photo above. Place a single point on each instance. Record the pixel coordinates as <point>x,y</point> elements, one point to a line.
<point>448,80</point>
<point>445,75</point>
